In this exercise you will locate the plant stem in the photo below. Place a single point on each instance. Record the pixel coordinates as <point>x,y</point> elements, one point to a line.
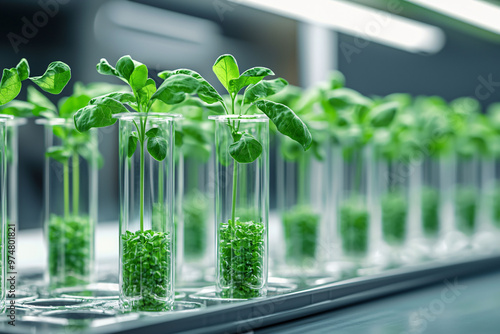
<point>76,183</point>
<point>235,185</point>
<point>141,189</point>
<point>66,188</point>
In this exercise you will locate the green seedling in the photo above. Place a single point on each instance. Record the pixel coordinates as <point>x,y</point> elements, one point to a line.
<point>137,282</point>
<point>244,148</point>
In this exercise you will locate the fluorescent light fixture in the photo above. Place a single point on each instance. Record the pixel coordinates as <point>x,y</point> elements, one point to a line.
<point>478,13</point>
<point>354,19</point>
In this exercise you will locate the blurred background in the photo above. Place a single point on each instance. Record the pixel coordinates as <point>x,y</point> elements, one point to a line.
<point>450,49</point>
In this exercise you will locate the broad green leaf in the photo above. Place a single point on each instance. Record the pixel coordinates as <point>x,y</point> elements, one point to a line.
<point>383,115</point>
<point>105,68</point>
<point>157,144</point>
<point>206,91</point>
<point>345,97</point>
<point>17,108</point>
<point>125,66</point>
<point>37,98</point>
<point>286,121</point>
<point>54,79</point>
<point>146,92</point>
<point>264,89</point>
<point>98,115</point>
<point>139,77</point>
<point>123,97</point>
<point>23,69</point>
<point>175,89</point>
<point>132,144</point>
<point>246,149</point>
<point>60,131</point>
<point>10,85</point>
<point>154,132</point>
<point>249,77</point>
<point>71,104</point>
<point>226,69</point>
<point>58,153</point>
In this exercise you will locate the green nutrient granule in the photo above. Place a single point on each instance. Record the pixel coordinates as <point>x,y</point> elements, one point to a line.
<point>354,229</point>
<point>496,206</point>
<point>70,250</point>
<point>146,259</point>
<point>195,229</point>
<point>301,233</point>
<point>430,212</point>
<point>465,207</point>
<point>241,259</point>
<point>394,211</point>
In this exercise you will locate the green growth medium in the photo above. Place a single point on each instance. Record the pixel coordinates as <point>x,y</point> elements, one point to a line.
<point>354,229</point>
<point>430,212</point>
<point>241,257</point>
<point>465,206</point>
<point>394,211</point>
<point>301,232</point>
<point>146,270</point>
<point>70,258</point>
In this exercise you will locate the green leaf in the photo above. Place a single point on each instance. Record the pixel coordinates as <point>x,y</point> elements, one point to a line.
<point>146,92</point>
<point>264,89</point>
<point>37,98</point>
<point>157,144</point>
<point>123,97</point>
<point>17,108</point>
<point>226,69</point>
<point>23,69</point>
<point>383,114</point>
<point>246,149</point>
<point>132,144</point>
<point>249,77</point>
<point>139,77</point>
<point>125,67</point>
<point>71,104</point>
<point>55,78</point>
<point>206,91</point>
<point>175,89</point>
<point>106,69</point>
<point>10,85</point>
<point>98,115</point>
<point>58,153</point>
<point>345,97</point>
<point>286,121</point>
